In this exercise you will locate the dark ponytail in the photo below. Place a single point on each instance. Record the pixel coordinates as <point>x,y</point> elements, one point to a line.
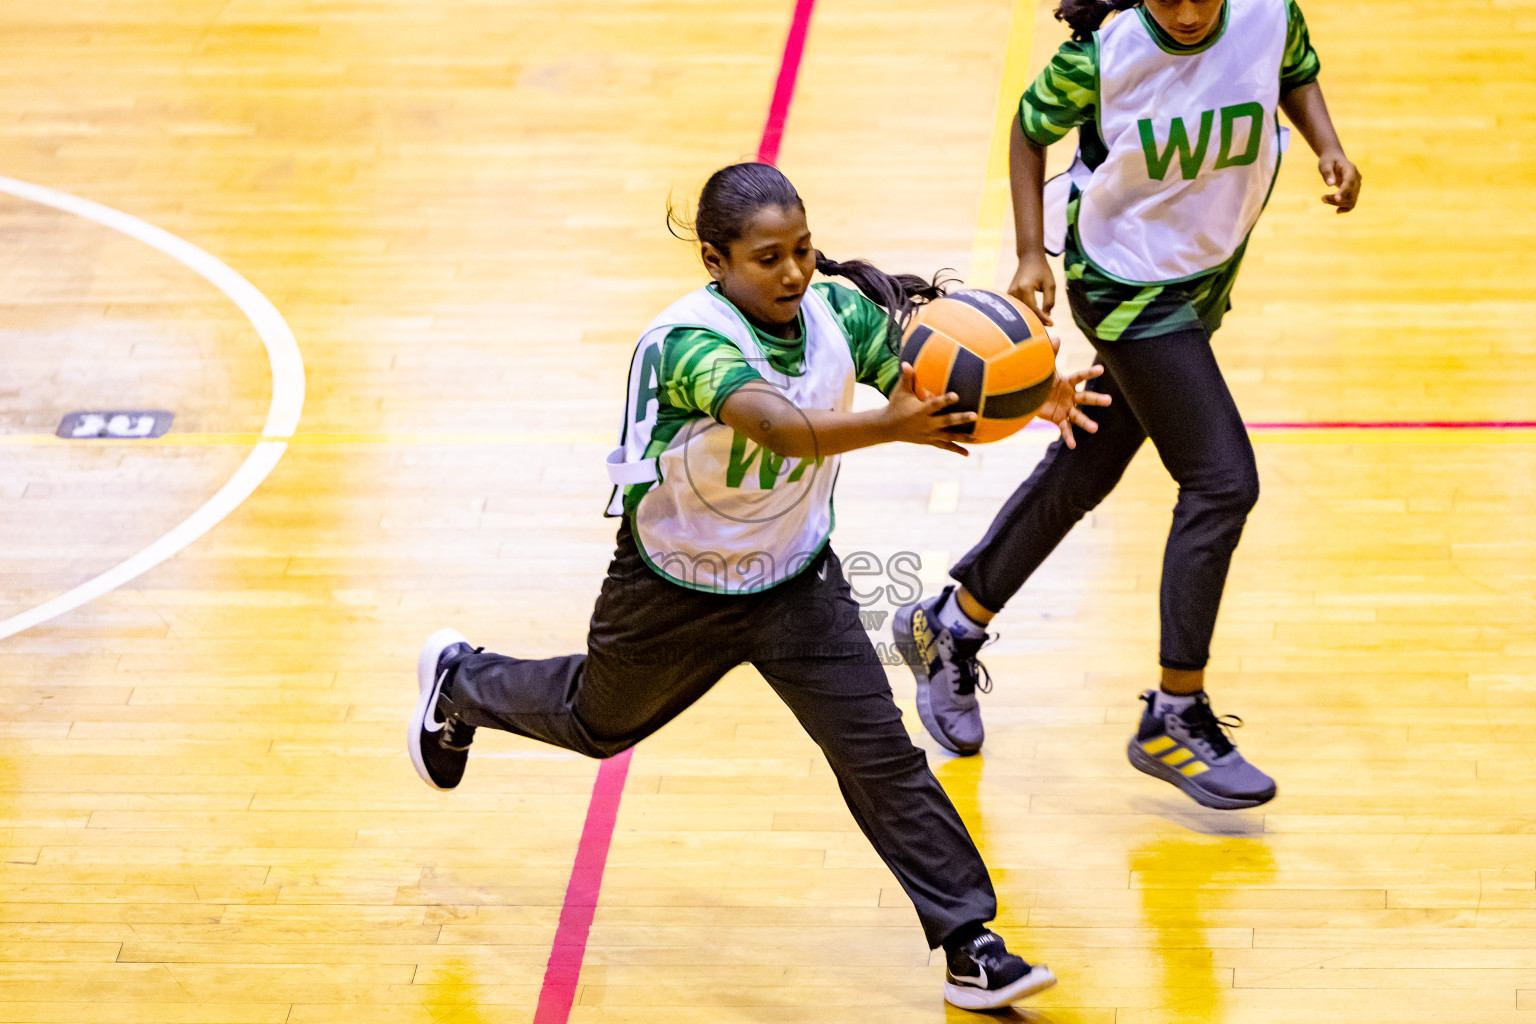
<point>733,194</point>
<point>1085,16</point>
<point>900,294</point>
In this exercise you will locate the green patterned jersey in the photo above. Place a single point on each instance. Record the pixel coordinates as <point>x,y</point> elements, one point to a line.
<point>700,369</point>
<point>1065,96</point>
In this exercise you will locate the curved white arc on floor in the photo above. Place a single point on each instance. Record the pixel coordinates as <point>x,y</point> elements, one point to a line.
<point>282,416</point>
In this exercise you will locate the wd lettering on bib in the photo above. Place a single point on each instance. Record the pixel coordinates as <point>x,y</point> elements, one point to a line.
<point>1192,145</point>
<point>1254,114</point>
<point>1191,160</point>
<point>1178,139</point>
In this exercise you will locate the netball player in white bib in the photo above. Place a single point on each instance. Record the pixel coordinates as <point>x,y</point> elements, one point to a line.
<point>737,414</point>
<point>1175,103</point>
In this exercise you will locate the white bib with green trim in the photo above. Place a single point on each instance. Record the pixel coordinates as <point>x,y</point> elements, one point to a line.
<point>724,514</point>
<point>1193,144</point>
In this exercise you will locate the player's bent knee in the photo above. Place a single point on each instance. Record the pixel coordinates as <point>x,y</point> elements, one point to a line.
<point>1245,491</point>
<point>1235,492</point>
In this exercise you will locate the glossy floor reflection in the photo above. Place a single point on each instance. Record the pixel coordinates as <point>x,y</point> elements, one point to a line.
<point>206,812</point>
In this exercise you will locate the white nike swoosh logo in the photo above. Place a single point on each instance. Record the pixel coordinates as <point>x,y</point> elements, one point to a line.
<point>980,980</point>
<point>822,572</point>
<point>430,723</point>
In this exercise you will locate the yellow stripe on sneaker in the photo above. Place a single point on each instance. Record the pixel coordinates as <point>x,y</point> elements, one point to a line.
<point>1177,757</point>
<point>1195,768</point>
<point>1159,745</point>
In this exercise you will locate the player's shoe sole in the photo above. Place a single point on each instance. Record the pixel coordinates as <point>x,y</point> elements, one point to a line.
<point>1145,762</point>
<point>1038,979</point>
<point>430,684</point>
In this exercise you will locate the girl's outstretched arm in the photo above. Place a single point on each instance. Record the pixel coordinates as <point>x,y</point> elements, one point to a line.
<point>1026,179</point>
<point>763,413</point>
<point>1308,111</point>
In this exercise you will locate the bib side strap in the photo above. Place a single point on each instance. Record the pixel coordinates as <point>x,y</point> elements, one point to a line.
<point>623,473</point>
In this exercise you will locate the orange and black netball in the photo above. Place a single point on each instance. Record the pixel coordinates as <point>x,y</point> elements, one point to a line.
<point>991,351</point>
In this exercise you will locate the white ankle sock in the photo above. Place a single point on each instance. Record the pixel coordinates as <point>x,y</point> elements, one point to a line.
<point>1166,702</point>
<point>952,618</point>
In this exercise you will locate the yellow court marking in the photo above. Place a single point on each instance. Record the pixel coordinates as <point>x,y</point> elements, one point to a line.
<point>994,193</point>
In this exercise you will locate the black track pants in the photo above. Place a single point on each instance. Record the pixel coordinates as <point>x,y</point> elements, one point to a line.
<point>655,648</point>
<point>1168,388</point>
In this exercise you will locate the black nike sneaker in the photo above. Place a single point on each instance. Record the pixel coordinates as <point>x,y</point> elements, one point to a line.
<point>437,739</point>
<point>983,975</point>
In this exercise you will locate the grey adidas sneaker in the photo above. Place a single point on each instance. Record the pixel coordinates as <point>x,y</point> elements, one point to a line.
<point>1191,750</point>
<point>948,675</point>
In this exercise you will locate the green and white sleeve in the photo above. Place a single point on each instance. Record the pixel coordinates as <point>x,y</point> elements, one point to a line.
<point>868,326</point>
<point>1300,65</point>
<point>700,370</point>
<point>1063,96</point>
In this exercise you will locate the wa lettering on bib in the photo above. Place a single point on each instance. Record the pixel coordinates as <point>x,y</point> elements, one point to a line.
<point>1193,145</point>
<point>724,514</point>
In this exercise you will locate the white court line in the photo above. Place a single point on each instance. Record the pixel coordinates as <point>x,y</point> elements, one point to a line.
<point>282,416</point>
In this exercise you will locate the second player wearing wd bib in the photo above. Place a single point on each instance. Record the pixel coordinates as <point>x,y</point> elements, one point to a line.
<point>1178,148</point>
<point>1176,105</point>
<point>1191,147</point>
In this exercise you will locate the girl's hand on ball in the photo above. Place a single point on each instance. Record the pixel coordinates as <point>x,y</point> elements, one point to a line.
<point>1063,407</point>
<point>913,415</point>
<point>1338,173</point>
<point>1034,275</point>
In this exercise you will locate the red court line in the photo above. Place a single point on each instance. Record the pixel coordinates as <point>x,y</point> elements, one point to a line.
<point>1398,425</point>
<point>1042,426</point>
<point>784,88</point>
<point>570,948</point>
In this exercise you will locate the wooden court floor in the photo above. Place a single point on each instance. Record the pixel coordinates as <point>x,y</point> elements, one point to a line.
<point>206,811</point>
